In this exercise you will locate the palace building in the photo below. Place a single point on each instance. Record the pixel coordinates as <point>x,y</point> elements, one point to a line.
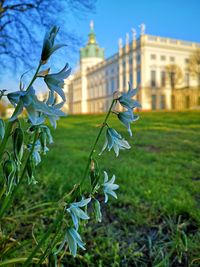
<point>157,66</point>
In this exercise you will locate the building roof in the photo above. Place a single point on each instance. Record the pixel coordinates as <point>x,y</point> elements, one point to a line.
<point>92,49</point>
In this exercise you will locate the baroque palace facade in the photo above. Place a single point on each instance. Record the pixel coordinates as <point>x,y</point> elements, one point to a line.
<point>145,62</point>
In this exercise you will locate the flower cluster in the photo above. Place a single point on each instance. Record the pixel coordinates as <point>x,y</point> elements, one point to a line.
<point>113,138</point>
<point>78,211</point>
<point>77,208</point>
<point>37,112</point>
<point>72,237</point>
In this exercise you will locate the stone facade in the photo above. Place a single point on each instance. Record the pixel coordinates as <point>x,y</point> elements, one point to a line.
<point>146,62</point>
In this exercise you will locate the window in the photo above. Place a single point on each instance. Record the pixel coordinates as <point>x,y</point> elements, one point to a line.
<point>172,59</point>
<point>124,80</point>
<point>153,56</point>
<point>130,62</point>
<point>112,85</point>
<point>187,79</point>
<point>138,78</point>
<point>138,58</point>
<point>163,78</point>
<point>186,60</point>
<point>124,65</point>
<point>162,102</point>
<point>173,101</point>
<point>153,102</point>
<point>131,78</point>
<point>172,79</point>
<point>163,58</point>
<point>198,79</point>
<point>153,78</point>
<point>107,87</point>
<point>187,101</point>
<point>117,88</point>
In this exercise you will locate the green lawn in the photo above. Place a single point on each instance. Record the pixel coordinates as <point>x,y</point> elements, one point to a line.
<point>155,220</point>
<point>159,181</point>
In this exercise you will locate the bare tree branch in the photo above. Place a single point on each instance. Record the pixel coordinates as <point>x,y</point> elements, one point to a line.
<point>23,21</point>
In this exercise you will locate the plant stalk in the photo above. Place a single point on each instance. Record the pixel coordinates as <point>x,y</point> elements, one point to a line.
<point>10,123</point>
<point>45,237</point>
<point>9,198</point>
<point>96,141</point>
<point>54,226</point>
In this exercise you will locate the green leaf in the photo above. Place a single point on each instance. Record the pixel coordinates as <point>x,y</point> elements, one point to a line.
<point>9,169</point>
<point>2,129</point>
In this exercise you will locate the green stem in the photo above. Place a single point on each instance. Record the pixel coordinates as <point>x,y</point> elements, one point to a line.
<point>53,227</point>
<point>15,261</point>
<point>96,141</point>
<point>34,77</point>
<point>51,245</point>
<point>5,139</point>
<point>44,238</point>
<point>9,198</point>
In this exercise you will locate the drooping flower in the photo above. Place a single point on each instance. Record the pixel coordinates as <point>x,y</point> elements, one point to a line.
<point>115,141</point>
<point>126,118</point>
<point>55,82</point>
<point>36,152</point>
<point>36,109</point>
<point>73,239</point>
<point>126,99</point>
<point>48,44</point>
<point>109,186</point>
<point>76,211</point>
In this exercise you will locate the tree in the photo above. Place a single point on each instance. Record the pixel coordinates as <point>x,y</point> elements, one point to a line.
<point>194,65</point>
<point>175,75</point>
<point>22,21</point>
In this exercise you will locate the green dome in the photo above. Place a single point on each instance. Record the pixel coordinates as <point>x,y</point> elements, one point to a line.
<point>92,49</point>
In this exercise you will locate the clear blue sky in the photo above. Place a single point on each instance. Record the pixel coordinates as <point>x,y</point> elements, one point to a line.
<point>178,19</point>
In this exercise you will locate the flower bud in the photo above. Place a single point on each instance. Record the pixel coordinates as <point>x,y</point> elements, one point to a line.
<point>43,141</point>
<point>18,142</point>
<point>30,171</point>
<point>48,45</point>
<point>9,169</point>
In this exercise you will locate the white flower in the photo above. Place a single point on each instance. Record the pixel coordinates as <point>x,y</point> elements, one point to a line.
<point>109,186</point>
<point>76,211</point>
<point>115,141</point>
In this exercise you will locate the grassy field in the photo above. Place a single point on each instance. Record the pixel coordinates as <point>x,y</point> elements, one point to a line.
<point>155,220</point>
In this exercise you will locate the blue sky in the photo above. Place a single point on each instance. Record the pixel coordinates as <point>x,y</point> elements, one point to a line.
<point>178,19</point>
<point>114,18</point>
